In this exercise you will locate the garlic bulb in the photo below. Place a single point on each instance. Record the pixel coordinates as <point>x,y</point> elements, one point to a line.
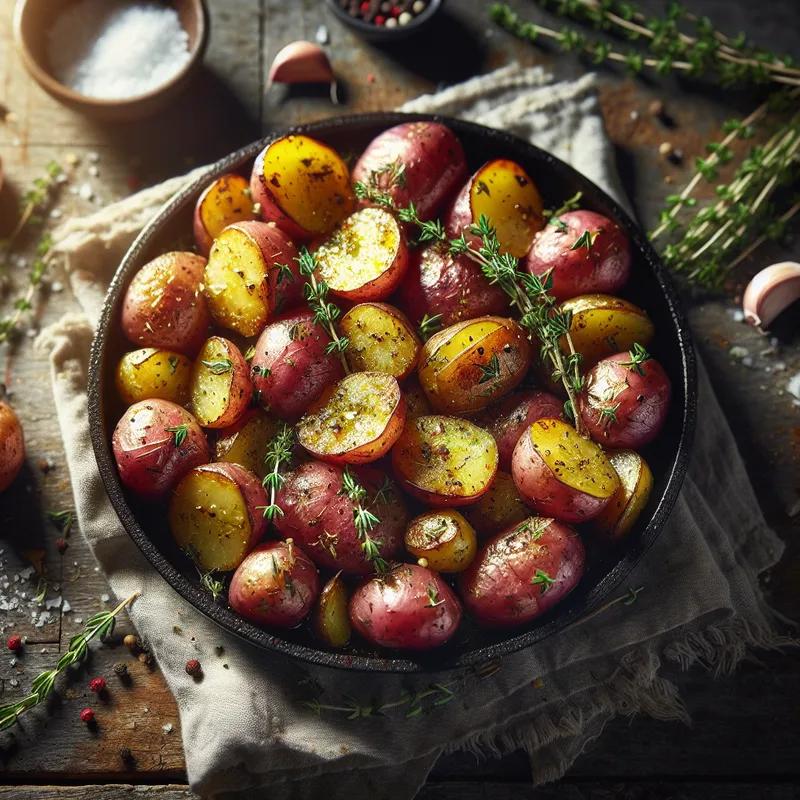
<point>303,62</point>
<point>771,291</point>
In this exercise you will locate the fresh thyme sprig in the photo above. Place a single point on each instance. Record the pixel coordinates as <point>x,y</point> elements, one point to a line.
<point>364,521</point>
<point>211,584</point>
<point>428,325</point>
<point>279,454</point>
<point>63,520</point>
<point>325,312</point>
<point>101,625</point>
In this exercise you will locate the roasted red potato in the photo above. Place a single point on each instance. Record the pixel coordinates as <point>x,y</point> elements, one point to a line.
<point>216,516</point>
<point>164,305</point>
<point>560,473</point>
<point>451,287</point>
<point>246,441</point>
<point>12,446</point>
<point>504,193</point>
<point>635,484</point>
<point>365,257</point>
<point>498,509</point>
<point>522,573</point>
<point>381,339</point>
<point>583,252</point>
<point>152,374</point>
<point>512,417</point>
<point>471,364</point>
<point>224,201</point>
<point>221,389</point>
<point>444,461</point>
<point>443,541</point>
<point>290,368</point>
<point>276,585</point>
<point>355,421</point>
<point>331,619</point>
<point>318,515</point>
<point>155,444</point>
<point>416,162</point>
<point>301,185</point>
<point>417,404</point>
<point>410,608</point>
<point>250,264</point>
<point>603,325</point>
<point>625,400</point>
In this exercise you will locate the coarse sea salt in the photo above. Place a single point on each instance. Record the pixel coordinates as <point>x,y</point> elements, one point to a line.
<point>113,49</point>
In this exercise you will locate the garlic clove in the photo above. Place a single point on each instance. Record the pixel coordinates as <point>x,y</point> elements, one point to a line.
<point>771,291</point>
<point>301,62</point>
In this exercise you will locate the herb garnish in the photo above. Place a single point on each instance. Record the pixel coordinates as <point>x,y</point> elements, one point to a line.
<point>541,578</point>
<point>428,325</point>
<point>586,239</point>
<point>180,431</point>
<point>638,355</point>
<point>364,520</point>
<point>220,366</point>
<point>279,454</point>
<point>491,370</point>
<point>433,596</point>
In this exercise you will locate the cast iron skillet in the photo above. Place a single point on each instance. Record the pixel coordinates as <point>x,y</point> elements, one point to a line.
<point>668,456</point>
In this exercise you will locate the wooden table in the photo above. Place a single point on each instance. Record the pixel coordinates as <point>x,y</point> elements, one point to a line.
<point>744,742</point>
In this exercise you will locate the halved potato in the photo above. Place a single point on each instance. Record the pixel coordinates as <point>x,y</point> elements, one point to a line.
<point>498,509</point>
<point>221,388</point>
<point>445,461</point>
<point>603,325</point>
<point>381,340</point>
<point>302,185</point>
<point>241,276</point>
<point>365,258</point>
<point>504,193</point>
<point>417,404</point>
<point>444,539</point>
<point>630,499</point>
<point>354,421</point>
<point>330,617</point>
<point>224,201</point>
<point>471,364</point>
<point>214,515</point>
<point>246,442</point>
<point>152,374</point>
<point>562,474</point>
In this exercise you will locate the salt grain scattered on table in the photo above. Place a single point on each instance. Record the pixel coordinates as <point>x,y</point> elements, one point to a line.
<point>112,49</point>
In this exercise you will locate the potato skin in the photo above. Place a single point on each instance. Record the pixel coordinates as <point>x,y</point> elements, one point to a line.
<point>224,201</point>
<point>152,374</point>
<point>290,368</point>
<point>12,446</point>
<point>434,163</point>
<point>635,484</point>
<point>499,508</point>
<point>331,620</point>
<point>282,599</point>
<point>513,415</point>
<point>164,305</point>
<point>148,460</point>
<point>499,588</point>
<point>604,267</point>
<point>395,610</point>
<point>444,539</point>
<point>205,384</point>
<point>639,399</point>
<point>439,283</point>
<point>320,519</point>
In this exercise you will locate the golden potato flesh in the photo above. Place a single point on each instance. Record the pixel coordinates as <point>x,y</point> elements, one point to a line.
<point>151,374</point>
<point>220,389</point>
<point>504,193</point>
<point>208,518</point>
<point>444,539</point>
<point>225,201</point>
<point>445,461</point>
<point>381,340</point>
<point>247,443</point>
<point>355,421</point>
<point>630,499</point>
<point>471,364</point>
<point>603,325</point>
<point>331,620</point>
<point>498,509</point>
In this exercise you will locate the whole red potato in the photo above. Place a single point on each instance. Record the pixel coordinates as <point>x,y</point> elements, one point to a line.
<point>584,252</point>
<point>409,608</point>
<point>625,400</point>
<point>276,585</point>
<point>12,446</point>
<point>523,572</point>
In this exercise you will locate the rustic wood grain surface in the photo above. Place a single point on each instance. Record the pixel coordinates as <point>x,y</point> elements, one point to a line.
<point>744,741</point>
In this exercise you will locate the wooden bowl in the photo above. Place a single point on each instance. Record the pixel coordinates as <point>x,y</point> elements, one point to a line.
<point>668,456</point>
<point>32,20</point>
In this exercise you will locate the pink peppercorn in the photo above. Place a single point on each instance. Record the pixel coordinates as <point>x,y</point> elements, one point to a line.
<point>396,11</point>
<point>380,20</point>
<point>14,643</point>
<point>87,715</point>
<point>97,685</point>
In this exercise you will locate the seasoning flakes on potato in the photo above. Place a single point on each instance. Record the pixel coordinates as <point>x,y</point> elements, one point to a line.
<point>153,374</point>
<point>444,539</point>
<point>224,201</point>
<point>221,389</point>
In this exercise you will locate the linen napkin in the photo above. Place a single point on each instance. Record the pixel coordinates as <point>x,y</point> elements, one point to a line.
<point>246,728</point>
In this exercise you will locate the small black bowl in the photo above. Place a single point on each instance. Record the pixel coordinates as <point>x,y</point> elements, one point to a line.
<point>649,287</point>
<point>380,33</point>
